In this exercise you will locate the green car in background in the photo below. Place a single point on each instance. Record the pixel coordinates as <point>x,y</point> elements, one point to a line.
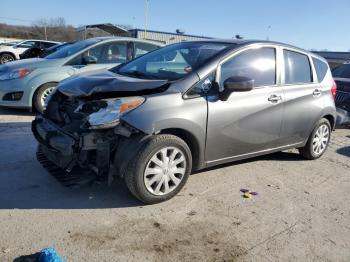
<point>28,83</point>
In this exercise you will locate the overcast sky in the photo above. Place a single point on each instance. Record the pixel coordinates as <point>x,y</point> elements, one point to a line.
<point>308,24</point>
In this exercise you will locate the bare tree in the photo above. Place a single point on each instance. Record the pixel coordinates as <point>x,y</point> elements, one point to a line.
<point>54,29</point>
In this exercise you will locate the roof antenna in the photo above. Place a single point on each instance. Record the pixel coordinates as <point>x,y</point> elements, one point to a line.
<point>268,33</point>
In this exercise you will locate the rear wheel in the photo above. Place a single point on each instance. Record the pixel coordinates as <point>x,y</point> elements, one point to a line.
<point>6,57</point>
<point>160,169</point>
<point>42,95</point>
<point>318,140</point>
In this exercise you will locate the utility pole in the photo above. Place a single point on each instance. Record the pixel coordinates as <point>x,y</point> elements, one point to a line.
<point>146,16</point>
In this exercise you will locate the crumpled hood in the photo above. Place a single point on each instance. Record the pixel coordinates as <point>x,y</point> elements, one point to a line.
<point>104,81</point>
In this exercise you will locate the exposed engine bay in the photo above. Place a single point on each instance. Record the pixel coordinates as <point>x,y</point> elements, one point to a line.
<point>85,129</point>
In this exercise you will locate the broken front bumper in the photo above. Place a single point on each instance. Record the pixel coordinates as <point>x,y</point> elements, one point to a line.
<point>90,150</point>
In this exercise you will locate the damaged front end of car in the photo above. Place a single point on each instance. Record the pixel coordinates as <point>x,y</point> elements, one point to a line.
<point>84,133</point>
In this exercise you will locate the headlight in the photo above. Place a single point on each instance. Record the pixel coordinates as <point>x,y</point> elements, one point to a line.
<point>18,73</point>
<point>109,116</point>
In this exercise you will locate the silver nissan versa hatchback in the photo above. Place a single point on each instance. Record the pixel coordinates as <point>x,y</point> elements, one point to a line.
<point>185,107</point>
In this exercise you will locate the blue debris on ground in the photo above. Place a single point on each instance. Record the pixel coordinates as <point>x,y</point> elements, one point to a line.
<point>45,255</point>
<point>49,255</point>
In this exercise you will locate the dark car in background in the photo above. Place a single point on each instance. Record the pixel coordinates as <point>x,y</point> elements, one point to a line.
<point>334,59</point>
<point>41,50</point>
<point>185,107</point>
<point>341,75</point>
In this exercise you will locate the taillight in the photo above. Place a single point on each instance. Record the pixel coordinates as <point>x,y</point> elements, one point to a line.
<point>334,89</point>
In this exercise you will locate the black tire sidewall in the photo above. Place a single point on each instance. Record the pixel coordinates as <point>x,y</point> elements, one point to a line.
<point>154,144</point>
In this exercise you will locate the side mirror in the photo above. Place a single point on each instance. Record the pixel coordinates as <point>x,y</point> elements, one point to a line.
<point>236,84</point>
<point>88,60</point>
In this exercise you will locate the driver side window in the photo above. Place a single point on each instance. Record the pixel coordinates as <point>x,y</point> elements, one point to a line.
<point>109,53</point>
<point>257,64</point>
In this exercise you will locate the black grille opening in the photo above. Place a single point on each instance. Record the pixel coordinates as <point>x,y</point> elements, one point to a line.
<point>13,96</point>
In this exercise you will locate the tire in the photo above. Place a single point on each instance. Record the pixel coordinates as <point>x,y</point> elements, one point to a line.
<point>41,94</point>
<point>6,57</point>
<point>308,151</point>
<point>137,176</point>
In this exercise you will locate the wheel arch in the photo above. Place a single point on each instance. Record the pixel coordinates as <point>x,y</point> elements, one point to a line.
<point>37,90</point>
<point>191,141</point>
<point>331,120</point>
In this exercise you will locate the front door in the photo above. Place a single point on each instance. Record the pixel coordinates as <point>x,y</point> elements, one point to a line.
<point>250,121</point>
<point>107,55</point>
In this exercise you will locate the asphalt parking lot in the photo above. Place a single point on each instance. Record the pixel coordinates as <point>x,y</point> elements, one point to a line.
<point>301,212</point>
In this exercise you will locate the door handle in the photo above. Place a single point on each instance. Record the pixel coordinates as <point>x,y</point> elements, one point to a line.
<point>274,98</point>
<point>317,92</point>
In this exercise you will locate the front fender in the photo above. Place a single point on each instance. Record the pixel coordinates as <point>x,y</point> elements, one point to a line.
<point>171,111</point>
<point>43,78</point>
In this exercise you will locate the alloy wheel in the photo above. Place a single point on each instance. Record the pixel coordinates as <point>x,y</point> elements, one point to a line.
<point>5,58</point>
<point>165,171</point>
<point>45,96</point>
<point>321,139</point>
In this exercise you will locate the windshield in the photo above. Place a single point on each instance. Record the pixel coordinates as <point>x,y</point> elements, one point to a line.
<point>171,62</point>
<point>53,49</point>
<point>342,71</point>
<point>72,49</point>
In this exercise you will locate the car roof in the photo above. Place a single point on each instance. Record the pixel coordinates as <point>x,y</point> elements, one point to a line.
<point>242,42</point>
<point>38,40</point>
<point>131,39</point>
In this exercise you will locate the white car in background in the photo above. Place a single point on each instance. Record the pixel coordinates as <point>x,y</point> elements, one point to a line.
<point>10,53</point>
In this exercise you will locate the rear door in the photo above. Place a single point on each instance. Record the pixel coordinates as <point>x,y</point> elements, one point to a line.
<point>247,122</point>
<point>20,48</point>
<point>303,101</point>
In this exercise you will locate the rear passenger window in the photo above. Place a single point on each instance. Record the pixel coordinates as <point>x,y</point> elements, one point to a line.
<point>321,68</point>
<point>143,48</point>
<point>257,64</point>
<point>297,68</point>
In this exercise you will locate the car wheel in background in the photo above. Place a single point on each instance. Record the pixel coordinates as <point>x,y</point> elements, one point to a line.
<point>6,57</point>
<point>318,140</point>
<point>160,169</point>
<point>42,95</point>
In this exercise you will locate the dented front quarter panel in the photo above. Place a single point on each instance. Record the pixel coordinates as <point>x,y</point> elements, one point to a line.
<point>170,111</point>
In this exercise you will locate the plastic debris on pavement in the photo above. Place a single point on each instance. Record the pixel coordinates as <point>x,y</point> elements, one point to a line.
<point>49,255</point>
<point>247,193</point>
<point>274,186</point>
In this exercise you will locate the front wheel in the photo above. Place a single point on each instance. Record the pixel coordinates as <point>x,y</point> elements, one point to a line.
<point>42,96</point>
<point>318,141</point>
<point>160,169</point>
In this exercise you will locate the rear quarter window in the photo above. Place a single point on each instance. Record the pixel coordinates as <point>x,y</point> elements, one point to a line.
<point>321,68</point>
<point>297,68</point>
